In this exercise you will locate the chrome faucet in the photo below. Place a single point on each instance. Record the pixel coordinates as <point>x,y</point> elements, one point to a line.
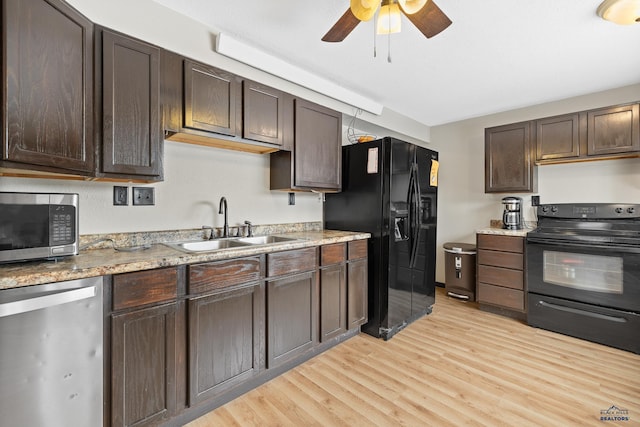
<point>223,209</point>
<point>249,228</point>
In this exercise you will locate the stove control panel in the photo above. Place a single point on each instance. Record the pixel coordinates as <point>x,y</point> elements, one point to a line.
<point>590,210</point>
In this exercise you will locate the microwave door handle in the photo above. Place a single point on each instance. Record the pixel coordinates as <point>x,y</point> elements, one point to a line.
<point>46,301</point>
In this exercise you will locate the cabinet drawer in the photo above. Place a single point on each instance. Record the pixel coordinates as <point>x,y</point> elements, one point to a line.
<point>501,243</point>
<point>333,254</point>
<point>501,259</point>
<point>357,249</point>
<point>220,274</point>
<point>499,296</point>
<point>144,287</point>
<point>288,262</point>
<point>501,276</point>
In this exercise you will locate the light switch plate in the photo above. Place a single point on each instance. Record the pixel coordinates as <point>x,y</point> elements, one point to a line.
<point>143,196</point>
<point>120,196</point>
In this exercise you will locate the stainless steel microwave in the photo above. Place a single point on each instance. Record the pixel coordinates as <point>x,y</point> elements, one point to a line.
<point>38,225</point>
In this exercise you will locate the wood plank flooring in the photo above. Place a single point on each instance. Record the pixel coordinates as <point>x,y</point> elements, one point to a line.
<point>458,366</point>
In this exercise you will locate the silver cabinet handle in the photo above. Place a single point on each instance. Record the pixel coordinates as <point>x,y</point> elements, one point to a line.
<point>31,304</point>
<point>455,295</point>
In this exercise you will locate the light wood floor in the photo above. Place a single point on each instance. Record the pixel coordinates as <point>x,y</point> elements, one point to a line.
<point>457,366</point>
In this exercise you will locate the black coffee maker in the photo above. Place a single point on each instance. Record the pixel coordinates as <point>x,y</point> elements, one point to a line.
<point>512,215</point>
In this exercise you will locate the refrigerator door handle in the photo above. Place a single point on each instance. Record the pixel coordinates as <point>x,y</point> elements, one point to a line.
<point>414,210</point>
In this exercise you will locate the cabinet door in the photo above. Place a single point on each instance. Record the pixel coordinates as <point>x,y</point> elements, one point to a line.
<point>508,159</point>
<point>226,340</point>
<point>49,85</point>
<point>317,146</point>
<point>263,113</point>
<point>132,134</point>
<point>357,298</point>
<point>613,130</point>
<point>291,315</point>
<point>143,357</point>
<point>558,137</point>
<point>333,301</point>
<point>210,99</point>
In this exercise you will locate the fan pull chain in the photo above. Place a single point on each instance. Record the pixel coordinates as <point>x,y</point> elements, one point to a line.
<point>389,40</point>
<point>375,19</point>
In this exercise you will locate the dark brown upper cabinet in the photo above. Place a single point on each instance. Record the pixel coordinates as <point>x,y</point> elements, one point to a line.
<point>204,105</point>
<point>601,134</point>
<point>132,139</point>
<point>613,130</point>
<point>509,165</point>
<point>48,82</point>
<point>210,99</point>
<point>314,160</point>
<point>558,137</point>
<point>263,113</point>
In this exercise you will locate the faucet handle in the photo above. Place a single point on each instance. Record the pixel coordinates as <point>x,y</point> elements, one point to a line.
<point>249,228</point>
<point>211,232</point>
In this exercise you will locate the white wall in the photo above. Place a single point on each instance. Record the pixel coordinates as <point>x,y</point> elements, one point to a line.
<point>463,205</point>
<point>195,179</point>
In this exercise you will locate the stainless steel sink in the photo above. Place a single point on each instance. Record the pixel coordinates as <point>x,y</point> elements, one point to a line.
<point>207,245</point>
<point>265,240</point>
<point>196,246</point>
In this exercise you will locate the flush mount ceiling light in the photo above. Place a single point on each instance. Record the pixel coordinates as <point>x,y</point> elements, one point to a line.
<point>424,14</point>
<point>623,12</point>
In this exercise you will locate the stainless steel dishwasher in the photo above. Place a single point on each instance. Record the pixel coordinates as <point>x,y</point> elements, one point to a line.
<point>51,354</point>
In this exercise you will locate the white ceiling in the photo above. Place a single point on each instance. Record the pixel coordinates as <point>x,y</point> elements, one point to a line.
<point>497,55</point>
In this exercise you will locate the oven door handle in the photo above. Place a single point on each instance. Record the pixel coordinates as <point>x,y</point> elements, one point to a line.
<point>582,312</point>
<point>585,245</point>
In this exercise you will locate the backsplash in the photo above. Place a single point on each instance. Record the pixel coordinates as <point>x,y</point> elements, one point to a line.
<point>141,239</point>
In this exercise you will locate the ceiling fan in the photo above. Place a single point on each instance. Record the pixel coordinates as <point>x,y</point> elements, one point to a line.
<point>424,14</point>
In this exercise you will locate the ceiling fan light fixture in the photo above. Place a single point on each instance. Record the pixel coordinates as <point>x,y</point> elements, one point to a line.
<point>389,19</point>
<point>411,6</point>
<point>364,9</point>
<point>622,12</point>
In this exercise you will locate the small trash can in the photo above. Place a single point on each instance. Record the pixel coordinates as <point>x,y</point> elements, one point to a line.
<point>460,270</point>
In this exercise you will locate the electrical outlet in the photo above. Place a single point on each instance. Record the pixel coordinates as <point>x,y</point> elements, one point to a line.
<point>535,200</point>
<point>143,196</point>
<point>292,199</point>
<point>120,196</point>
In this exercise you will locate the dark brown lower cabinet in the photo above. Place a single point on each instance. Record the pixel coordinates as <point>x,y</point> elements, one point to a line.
<point>187,339</point>
<point>226,339</point>
<point>333,301</point>
<point>501,274</point>
<point>291,317</point>
<point>143,356</point>
<point>147,350</point>
<point>358,286</point>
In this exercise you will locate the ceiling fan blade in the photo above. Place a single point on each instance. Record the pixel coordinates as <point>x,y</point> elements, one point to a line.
<point>430,20</point>
<point>342,28</point>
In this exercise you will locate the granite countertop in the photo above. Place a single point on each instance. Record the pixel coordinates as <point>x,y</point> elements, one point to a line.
<point>504,232</point>
<point>100,262</point>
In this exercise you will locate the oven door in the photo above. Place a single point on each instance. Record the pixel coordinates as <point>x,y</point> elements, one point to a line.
<point>606,276</point>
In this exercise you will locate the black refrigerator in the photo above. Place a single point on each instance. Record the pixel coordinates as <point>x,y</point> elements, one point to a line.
<point>389,189</point>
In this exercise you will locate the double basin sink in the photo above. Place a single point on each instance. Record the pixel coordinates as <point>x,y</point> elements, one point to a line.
<point>198,246</point>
